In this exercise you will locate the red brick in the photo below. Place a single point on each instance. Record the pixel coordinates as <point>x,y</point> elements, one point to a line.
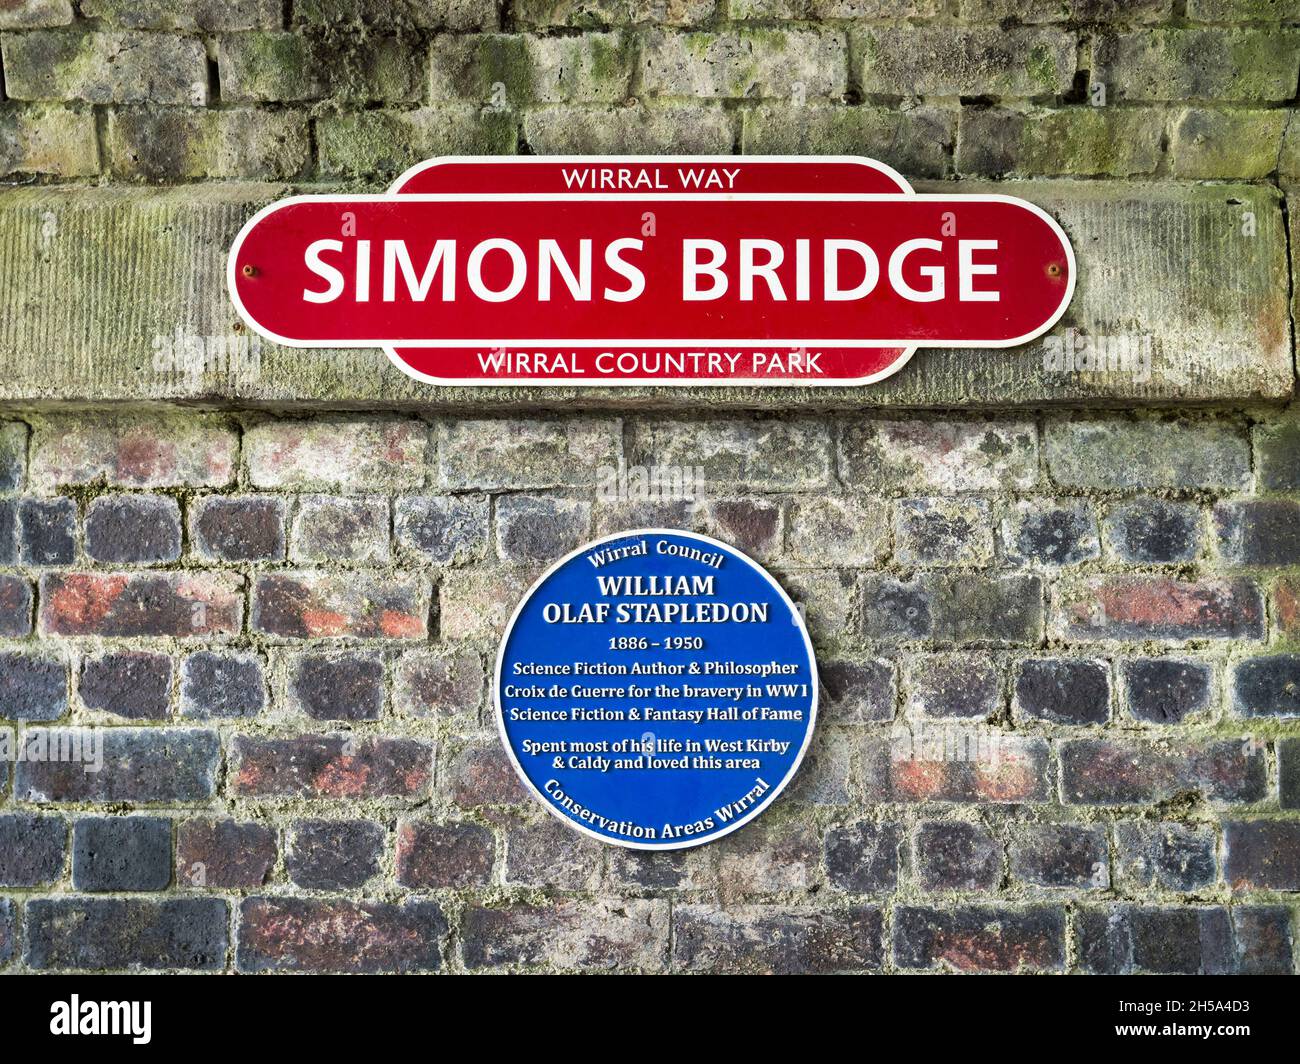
<point>181,605</point>
<point>326,766</point>
<point>1159,607</point>
<point>309,605</point>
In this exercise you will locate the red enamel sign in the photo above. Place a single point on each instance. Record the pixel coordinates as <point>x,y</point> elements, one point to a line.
<point>651,271</point>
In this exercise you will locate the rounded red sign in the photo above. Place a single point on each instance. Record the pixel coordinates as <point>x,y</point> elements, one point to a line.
<point>617,271</point>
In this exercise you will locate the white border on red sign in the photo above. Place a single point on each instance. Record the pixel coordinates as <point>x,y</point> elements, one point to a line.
<point>796,618</point>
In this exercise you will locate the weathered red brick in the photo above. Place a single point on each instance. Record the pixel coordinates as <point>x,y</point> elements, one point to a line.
<point>980,938</point>
<point>481,774</point>
<point>578,934</point>
<point>952,765</point>
<point>762,939</point>
<point>337,454</point>
<point>178,604</point>
<point>327,766</point>
<point>311,605</point>
<point>1159,607</point>
<point>432,855</point>
<point>224,854</point>
<point>334,935</point>
<point>197,450</point>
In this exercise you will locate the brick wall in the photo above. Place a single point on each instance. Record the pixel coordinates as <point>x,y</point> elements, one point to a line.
<point>1060,646</point>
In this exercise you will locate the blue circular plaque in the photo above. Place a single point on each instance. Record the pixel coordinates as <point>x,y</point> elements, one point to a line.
<point>656,689</point>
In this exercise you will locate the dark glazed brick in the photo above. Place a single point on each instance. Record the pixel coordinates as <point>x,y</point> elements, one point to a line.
<point>894,609</point>
<point>751,525</point>
<point>1277,455</point>
<point>1267,687</point>
<point>333,935</point>
<point>91,933</point>
<point>943,531</point>
<point>8,531</point>
<point>32,688</point>
<point>239,529</point>
<point>958,685</point>
<point>140,765</point>
<point>1192,941</point>
<point>138,529</point>
<point>1050,533</point>
<point>222,685</point>
<point>1063,691</point>
<point>1113,772</point>
<point>47,530</point>
<point>1181,941</point>
<point>326,766</point>
<point>132,684</point>
<point>760,939</point>
<point>432,855</point>
<point>1165,690</point>
<point>1154,531</point>
<point>579,934</point>
<point>334,854</point>
<point>980,938</point>
<point>15,606</point>
<point>348,687</point>
<point>1060,855</point>
<point>224,854</point>
<point>1165,855</point>
<point>989,609</point>
<point>1288,768</point>
<point>952,855</point>
<point>540,527</point>
<point>31,849</point>
<point>862,858</point>
<point>1259,532</point>
<point>854,691</point>
<point>13,455</point>
<point>121,853</point>
<point>444,529</point>
<point>1262,854</point>
<point>1264,942</point>
<point>8,930</point>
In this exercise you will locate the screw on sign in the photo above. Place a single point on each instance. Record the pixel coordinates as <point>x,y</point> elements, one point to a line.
<point>651,271</point>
